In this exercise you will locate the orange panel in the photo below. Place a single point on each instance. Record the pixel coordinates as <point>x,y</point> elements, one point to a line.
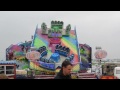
<point>107,77</point>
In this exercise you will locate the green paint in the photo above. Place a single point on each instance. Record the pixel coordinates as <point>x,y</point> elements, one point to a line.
<point>82,51</point>
<point>69,43</point>
<point>49,52</point>
<point>39,43</point>
<point>56,28</point>
<point>24,67</point>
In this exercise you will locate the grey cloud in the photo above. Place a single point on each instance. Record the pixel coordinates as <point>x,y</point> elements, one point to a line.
<point>95,28</point>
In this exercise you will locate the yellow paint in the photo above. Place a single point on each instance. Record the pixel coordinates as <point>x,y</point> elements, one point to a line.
<point>76,67</point>
<point>32,65</point>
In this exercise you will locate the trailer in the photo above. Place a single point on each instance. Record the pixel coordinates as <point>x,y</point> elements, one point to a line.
<point>109,71</point>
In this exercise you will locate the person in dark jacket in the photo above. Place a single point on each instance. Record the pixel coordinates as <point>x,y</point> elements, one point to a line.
<point>65,72</point>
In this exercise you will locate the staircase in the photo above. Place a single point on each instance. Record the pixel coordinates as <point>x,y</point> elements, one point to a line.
<point>86,76</point>
<point>79,75</point>
<point>44,76</point>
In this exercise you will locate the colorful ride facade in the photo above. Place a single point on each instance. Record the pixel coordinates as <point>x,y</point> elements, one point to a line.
<point>54,45</point>
<point>86,56</point>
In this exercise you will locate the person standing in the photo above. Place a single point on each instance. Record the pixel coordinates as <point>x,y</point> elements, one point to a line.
<point>65,72</point>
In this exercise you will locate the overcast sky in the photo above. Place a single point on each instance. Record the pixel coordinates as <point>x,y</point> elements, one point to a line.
<point>95,28</point>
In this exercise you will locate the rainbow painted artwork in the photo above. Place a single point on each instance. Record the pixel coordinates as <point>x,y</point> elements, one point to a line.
<point>55,44</point>
<point>67,40</point>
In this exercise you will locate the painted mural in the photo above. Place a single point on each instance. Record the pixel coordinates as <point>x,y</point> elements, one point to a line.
<point>85,53</point>
<point>18,52</point>
<point>54,44</point>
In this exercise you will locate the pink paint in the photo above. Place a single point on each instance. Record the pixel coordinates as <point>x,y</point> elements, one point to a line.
<point>15,48</point>
<point>55,40</point>
<point>53,47</point>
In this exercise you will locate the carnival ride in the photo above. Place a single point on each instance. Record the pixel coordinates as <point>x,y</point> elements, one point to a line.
<point>54,44</point>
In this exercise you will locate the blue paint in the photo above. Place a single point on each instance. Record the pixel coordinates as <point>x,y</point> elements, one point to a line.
<point>55,57</point>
